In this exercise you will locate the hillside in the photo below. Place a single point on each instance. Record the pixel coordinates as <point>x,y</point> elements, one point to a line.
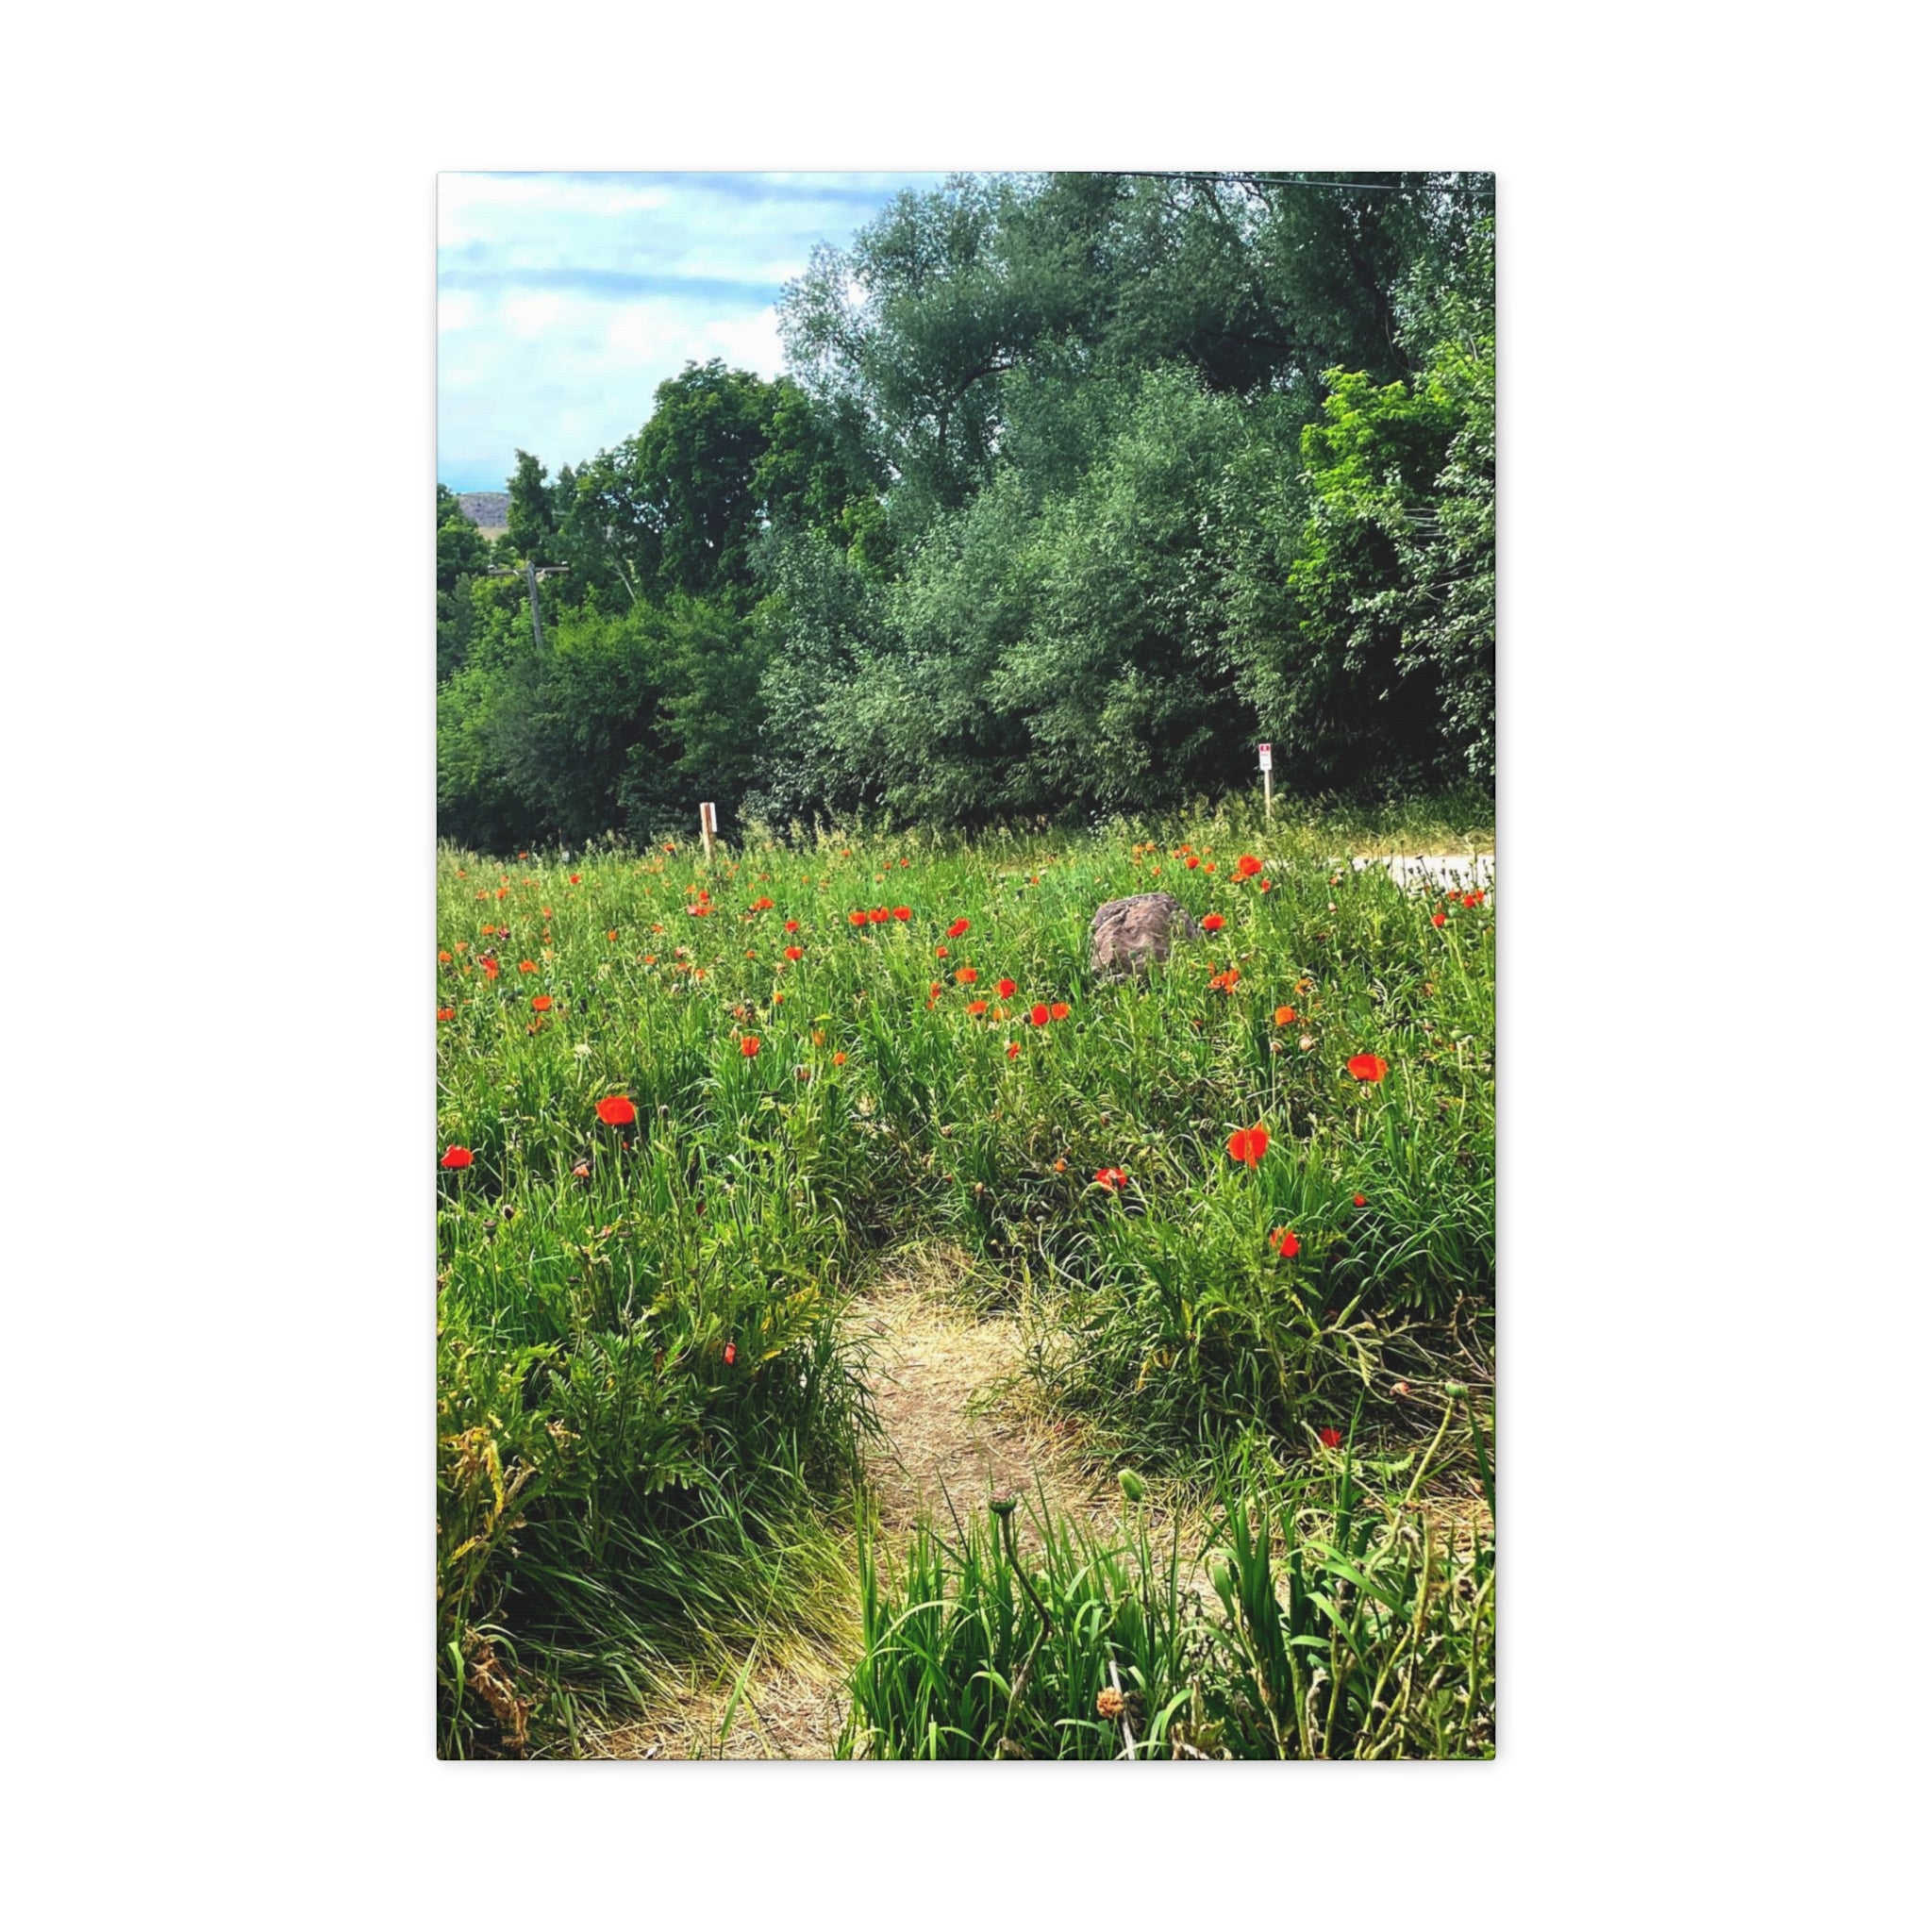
<point>489,509</point>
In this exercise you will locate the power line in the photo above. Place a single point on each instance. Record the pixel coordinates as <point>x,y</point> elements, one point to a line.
<point>1287,180</point>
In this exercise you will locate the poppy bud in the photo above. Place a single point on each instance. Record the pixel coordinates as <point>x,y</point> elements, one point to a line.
<point>1132,1488</point>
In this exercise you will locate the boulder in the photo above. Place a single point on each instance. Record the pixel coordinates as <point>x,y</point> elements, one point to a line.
<point>1129,932</point>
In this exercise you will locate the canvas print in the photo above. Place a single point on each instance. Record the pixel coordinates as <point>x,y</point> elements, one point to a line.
<point>966,917</point>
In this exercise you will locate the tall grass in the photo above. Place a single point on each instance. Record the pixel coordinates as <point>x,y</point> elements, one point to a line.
<point>1339,1621</point>
<point>644,1401</point>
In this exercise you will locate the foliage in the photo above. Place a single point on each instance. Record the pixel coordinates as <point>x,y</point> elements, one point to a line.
<point>1339,1621</point>
<point>612,1480</point>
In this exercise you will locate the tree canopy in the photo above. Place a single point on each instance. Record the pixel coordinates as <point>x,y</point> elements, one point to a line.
<point>1078,484</point>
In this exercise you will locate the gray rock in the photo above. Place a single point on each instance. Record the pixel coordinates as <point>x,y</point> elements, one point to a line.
<point>1129,932</point>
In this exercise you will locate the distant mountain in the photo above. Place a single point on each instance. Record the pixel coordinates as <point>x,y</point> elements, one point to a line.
<point>489,509</point>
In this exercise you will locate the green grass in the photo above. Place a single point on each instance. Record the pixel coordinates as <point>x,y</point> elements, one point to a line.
<point>1338,1622</point>
<point>646,1415</point>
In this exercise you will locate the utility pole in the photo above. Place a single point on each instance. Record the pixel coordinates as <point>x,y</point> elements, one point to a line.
<point>531,572</point>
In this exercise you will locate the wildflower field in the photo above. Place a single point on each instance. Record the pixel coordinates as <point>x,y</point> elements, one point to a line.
<point>1242,1209</point>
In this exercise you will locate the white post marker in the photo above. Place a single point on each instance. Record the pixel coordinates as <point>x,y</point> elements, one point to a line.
<point>707,827</point>
<point>1268,781</point>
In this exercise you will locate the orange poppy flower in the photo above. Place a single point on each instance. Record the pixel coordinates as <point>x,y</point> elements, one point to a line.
<point>838,1059</point>
<point>1285,1016</point>
<point>966,975</point>
<point>614,1110</point>
<point>748,1046</point>
<point>445,1012</point>
<point>855,918</point>
<point>1367,1066</point>
<point>1248,1144</point>
<point>977,1008</point>
<point>1194,864</point>
<point>1059,1011</point>
<point>542,1004</point>
<point>444,957</point>
<point>527,965</point>
<point>794,952</point>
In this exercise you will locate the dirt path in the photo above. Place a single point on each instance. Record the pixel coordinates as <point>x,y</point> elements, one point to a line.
<point>958,1424</point>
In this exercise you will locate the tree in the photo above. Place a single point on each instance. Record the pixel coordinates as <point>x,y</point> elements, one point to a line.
<point>462,549</point>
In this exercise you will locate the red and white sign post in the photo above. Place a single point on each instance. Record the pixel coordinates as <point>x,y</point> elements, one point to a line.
<point>1268,781</point>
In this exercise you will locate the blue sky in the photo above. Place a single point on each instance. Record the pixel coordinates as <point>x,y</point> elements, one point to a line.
<point>563,300</point>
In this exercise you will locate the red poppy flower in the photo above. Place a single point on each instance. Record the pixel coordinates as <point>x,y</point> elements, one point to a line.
<point>792,925</point>
<point>1367,1066</point>
<point>1006,989</point>
<point>1114,1178</point>
<point>1192,864</point>
<point>456,1157</point>
<point>1440,919</point>
<point>1285,1016</point>
<point>902,913</point>
<point>1059,1011</point>
<point>938,953</point>
<point>575,877</point>
<point>1248,1144</point>
<point>748,1046</point>
<point>582,1170</point>
<point>878,915</point>
<point>445,1012</point>
<point>760,905</point>
<point>1040,1016</point>
<point>1247,865</point>
<point>977,1008</point>
<point>855,918</point>
<point>491,968</point>
<point>1266,885</point>
<point>967,975</point>
<point>957,928</point>
<point>1471,898</point>
<point>731,1353</point>
<point>794,951</point>
<point>614,1110</point>
<point>1329,1438</point>
<point>1361,1200</point>
<point>542,1004</point>
<point>1213,923</point>
<point>1287,1243</point>
<point>1012,1049</point>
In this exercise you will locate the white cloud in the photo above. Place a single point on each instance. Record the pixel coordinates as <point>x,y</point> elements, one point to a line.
<point>565,300</point>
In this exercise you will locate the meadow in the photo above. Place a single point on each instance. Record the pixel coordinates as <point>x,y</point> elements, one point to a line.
<point>687,1110</point>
